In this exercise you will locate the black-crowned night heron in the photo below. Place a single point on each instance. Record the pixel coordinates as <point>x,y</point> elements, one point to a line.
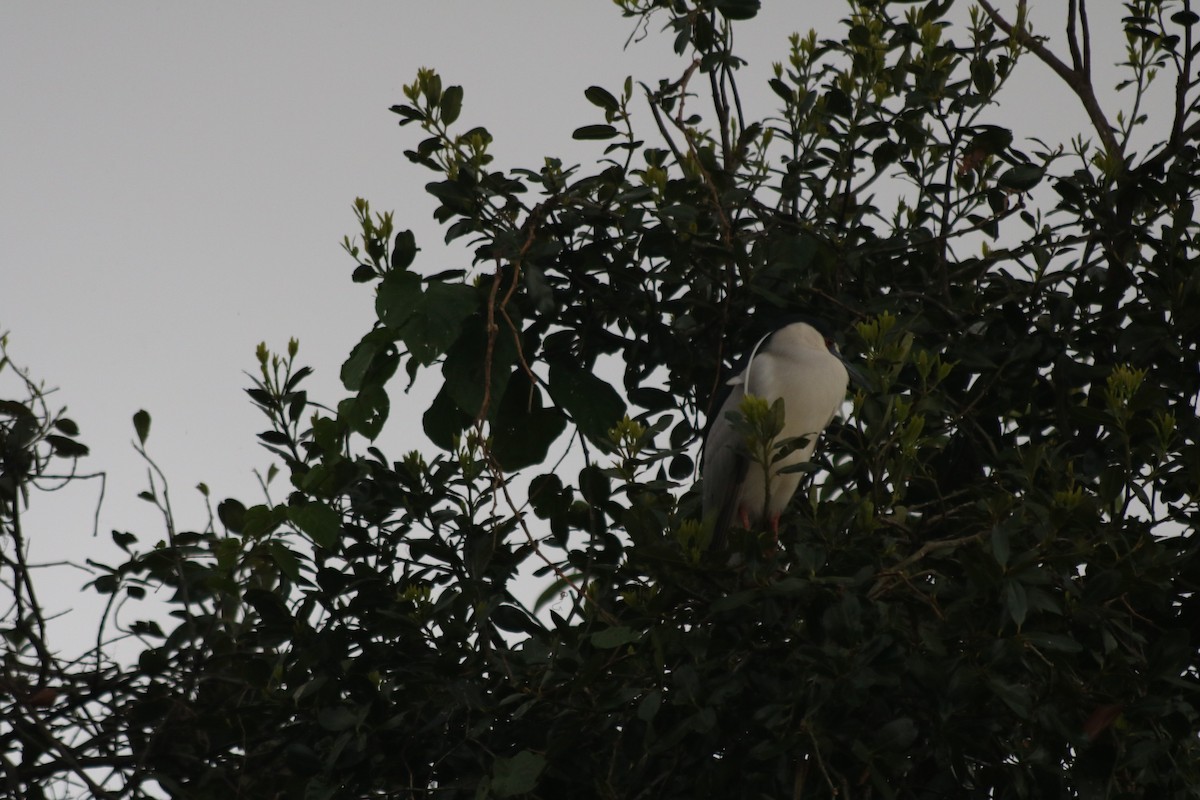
<point>799,364</point>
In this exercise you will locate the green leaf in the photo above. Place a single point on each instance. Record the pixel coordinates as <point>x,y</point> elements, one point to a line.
<point>141,424</point>
<point>11,408</point>
<point>261,520</point>
<point>398,298</point>
<point>896,735</point>
<point>465,369</point>
<point>983,74</point>
<point>738,9</point>
<point>106,584</point>
<point>648,708</point>
<point>597,132</point>
<point>517,775</point>
<point>372,360</point>
<point>444,420</point>
<point>514,620</point>
<point>1170,653</point>
<point>1000,546</point>
<point>886,153</point>
<point>427,320</point>
<point>590,401</point>
<point>599,96</point>
<point>285,558</point>
<point>451,104</point>
<point>523,430</point>
<point>337,718</point>
<point>66,447</point>
<point>735,600</point>
<point>1014,696</point>
<point>594,485</point>
<point>457,196</point>
<point>367,411</point>
<point>1021,178</point>
<point>153,661</point>
<point>232,514</point>
<point>403,251</point>
<point>1016,601</point>
<point>546,496</point>
<point>991,140</point>
<point>438,321</point>
<point>270,607</point>
<point>123,540</point>
<point>613,637</point>
<point>322,523</point>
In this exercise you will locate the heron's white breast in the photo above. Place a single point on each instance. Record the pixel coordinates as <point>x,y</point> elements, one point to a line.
<point>813,385</point>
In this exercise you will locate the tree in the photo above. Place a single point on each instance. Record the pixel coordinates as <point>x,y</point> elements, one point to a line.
<point>987,587</point>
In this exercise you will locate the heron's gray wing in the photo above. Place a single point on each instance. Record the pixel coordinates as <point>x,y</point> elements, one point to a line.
<point>725,465</point>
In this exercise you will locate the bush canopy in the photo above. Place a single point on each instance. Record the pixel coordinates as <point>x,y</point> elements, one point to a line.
<point>985,588</point>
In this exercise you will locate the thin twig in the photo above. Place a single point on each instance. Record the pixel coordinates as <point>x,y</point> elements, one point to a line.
<point>662,127</point>
<point>65,753</point>
<point>580,596</point>
<point>512,288</point>
<point>816,750</point>
<point>887,578</point>
<point>492,328</point>
<point>23,584</point>
<point>726,226</point>
<point>491,346</point>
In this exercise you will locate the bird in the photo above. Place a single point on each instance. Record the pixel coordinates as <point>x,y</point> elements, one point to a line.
<point>798,363</point>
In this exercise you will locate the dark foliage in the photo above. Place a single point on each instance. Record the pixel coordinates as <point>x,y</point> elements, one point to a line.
<point>986,588</point>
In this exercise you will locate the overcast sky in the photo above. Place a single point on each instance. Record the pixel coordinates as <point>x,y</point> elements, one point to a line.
<point>175,180</point>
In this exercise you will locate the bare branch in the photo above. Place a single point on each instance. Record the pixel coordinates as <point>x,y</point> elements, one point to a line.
<point>1087,38</point>
<point>1183,83</point>
<point>1077,22</point>
<point>1181,133</point>
<point>1073,37</point>
<point>1078,80</point>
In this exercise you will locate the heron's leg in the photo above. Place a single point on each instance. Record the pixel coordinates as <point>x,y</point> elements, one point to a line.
<point>773,550</point>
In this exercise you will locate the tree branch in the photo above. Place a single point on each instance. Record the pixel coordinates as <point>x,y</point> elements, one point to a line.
<point>1079,80</point>
<point>1182,84</point>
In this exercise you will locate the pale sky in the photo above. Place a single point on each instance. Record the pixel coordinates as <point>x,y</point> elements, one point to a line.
<point>175,180</point>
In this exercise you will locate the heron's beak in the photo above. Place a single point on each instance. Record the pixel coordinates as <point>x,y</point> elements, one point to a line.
<point>857,376</point>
